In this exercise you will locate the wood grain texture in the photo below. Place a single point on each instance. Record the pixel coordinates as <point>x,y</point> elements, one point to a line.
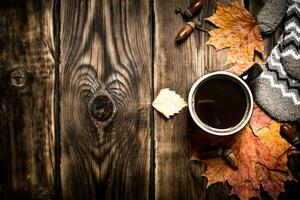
<point>105,78</point>
<point>115,56</point>
<point>177,67</point>
<point>26,100</point>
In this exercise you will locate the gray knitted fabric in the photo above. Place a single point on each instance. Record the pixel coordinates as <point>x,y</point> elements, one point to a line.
<point>290,47</point>
<point>271,15</point>
<point>275,91</point>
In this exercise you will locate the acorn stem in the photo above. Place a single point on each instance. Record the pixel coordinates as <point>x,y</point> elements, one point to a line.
<point>198,25</point>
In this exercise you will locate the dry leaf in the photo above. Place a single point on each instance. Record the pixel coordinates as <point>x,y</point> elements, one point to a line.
<point>240,67</point>
<point>168,102</point>
<point>259,119</point>
<point>260,164</point>
<point>236,30</point>
<point>274,142</point>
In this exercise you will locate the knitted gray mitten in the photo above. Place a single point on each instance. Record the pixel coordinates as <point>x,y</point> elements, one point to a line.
<point>271,15</point>
<point>277,90</point>
<point>290,47</point>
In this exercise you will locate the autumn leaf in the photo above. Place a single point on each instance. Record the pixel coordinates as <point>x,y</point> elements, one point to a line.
<point>273,141</point>
<point>168,102</point>
<point>237,30</point>
<point>240,67</point>
<point>261,163</point>
<point>259,119</point>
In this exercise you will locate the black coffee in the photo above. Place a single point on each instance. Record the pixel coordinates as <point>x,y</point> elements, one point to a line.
<point>220,103</point>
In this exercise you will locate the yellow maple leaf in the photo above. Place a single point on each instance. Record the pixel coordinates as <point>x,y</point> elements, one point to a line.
<point>237,30</point>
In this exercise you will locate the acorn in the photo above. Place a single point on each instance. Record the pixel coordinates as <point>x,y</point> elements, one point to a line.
<point>191,10</point>
<point>185,32</point>
<point>290,136</point>
<point>230,158</point>
<point>227,154</point>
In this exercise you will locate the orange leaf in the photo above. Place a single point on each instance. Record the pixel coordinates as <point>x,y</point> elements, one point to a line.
<point>236,30</point>
<point>259,120</point>
<point>260,164</point>
<point>240,67</point>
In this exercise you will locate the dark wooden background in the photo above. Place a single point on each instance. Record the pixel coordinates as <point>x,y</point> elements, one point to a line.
<point>74,76</point>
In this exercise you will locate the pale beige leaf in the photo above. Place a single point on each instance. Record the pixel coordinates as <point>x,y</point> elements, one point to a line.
<point>168,102</point>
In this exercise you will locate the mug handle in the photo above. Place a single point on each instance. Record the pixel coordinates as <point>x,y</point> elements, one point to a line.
<point>252,73</point>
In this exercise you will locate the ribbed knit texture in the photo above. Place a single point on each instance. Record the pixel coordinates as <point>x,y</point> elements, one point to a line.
<point>290,47</point>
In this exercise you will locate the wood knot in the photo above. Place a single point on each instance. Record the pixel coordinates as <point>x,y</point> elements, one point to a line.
<point>42,193</point>
<point>17,77</point>
<point>102,107</point>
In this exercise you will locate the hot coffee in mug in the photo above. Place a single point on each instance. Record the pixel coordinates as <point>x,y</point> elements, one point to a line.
<point>221,103</point>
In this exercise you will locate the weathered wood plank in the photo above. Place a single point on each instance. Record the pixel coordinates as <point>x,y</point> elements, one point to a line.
<point>105,79</point>
<point>177,67</point>
<point>26,100</point>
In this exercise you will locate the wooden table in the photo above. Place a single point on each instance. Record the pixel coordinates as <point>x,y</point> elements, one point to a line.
<point>76,82</point>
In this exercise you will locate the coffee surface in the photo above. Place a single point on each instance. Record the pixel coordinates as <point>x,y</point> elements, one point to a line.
<point>220,103</point>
